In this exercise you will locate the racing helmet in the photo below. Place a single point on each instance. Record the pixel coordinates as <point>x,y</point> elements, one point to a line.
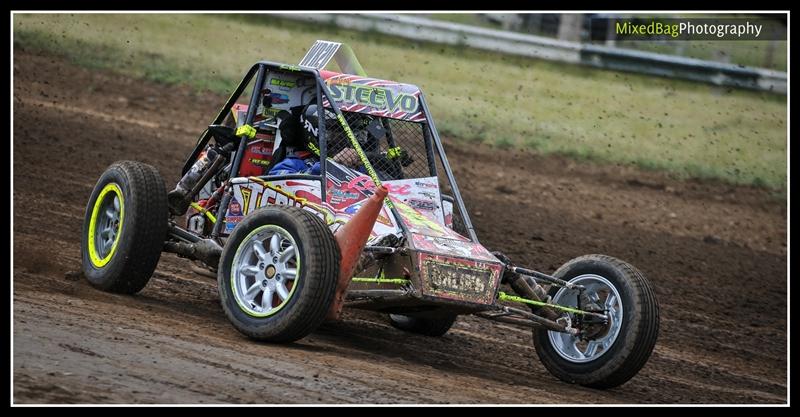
<point>309,125</point>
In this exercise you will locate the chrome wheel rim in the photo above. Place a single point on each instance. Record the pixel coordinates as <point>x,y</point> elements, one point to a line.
<point>265,270</point>
<point>602,292</point>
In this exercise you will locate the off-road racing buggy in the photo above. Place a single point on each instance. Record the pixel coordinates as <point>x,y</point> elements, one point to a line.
<point>288,249</point>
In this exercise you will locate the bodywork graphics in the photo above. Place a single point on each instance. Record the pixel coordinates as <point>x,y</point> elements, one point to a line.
<point>421,194</point>
<point>373,96</point>
<point>252,193</point>
<point>418,201</point>
<point>452,246</point>
<point>351,93</point>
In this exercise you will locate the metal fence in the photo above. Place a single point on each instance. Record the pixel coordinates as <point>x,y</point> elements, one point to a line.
<point>618,59</point>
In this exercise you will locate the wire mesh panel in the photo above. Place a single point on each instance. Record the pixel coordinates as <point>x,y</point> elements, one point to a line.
<point>395,148</point>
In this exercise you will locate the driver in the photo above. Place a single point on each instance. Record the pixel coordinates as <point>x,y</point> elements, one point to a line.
<point>301,131</point>
<point>300,136</point>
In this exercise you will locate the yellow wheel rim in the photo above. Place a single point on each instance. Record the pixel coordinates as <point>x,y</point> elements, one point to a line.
<point>108,214</point>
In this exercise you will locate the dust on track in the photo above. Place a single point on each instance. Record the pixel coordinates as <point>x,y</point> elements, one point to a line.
<point>715,253</point>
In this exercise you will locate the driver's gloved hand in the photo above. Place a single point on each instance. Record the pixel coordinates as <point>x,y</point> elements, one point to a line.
<point>400,155</point>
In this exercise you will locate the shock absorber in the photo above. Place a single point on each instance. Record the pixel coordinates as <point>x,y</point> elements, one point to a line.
<point>527,287</point>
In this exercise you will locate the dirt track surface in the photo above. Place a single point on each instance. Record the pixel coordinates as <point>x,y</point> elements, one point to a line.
<point>716,255</point>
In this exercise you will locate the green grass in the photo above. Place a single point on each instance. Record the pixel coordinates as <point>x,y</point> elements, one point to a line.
<point>748,53</point>
<point>689,129</point>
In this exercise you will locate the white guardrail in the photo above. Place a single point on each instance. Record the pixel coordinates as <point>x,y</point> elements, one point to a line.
<point>619,59</point>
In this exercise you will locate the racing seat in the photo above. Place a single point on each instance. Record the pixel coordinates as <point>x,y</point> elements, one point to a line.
<point>289,135</point>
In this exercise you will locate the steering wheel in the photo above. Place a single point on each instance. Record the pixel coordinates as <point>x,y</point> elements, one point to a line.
<point>223,134</point>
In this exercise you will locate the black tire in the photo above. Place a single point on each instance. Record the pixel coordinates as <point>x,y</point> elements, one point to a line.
<point>128,266</point>
<point>426,326</point>
<point>315,285</point>
<point>637,334</point>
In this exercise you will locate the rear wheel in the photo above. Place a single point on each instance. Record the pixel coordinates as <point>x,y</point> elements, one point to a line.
<point>124,227</point>
<point>427,326</point>
<point>278,273</point>
<point>609,354</point>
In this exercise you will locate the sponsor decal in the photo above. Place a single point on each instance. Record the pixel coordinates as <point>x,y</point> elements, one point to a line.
<point>378,98</point>
<point>428,195</point>
<point>452,245</point>
<point>234,208</point>
<point>448,245</point>
<point>269,194</point>
<point>231,222</point>
<point>418,204</point>
<point>423,184</point>
<point>260,149</point>
<point>419,222</point>
<point>282,83</point>
<point>262,162</point>
<point>279,197</point>
<point>278,98</point>
<point>269,113</point>
<point>343,195</point>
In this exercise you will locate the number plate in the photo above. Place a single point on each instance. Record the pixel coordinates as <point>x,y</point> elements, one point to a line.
<point>459,279</point>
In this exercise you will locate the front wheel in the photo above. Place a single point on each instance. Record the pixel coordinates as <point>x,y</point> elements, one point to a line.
<point>124,227</point>
<point>605,355</point>
<point>278,273</point>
